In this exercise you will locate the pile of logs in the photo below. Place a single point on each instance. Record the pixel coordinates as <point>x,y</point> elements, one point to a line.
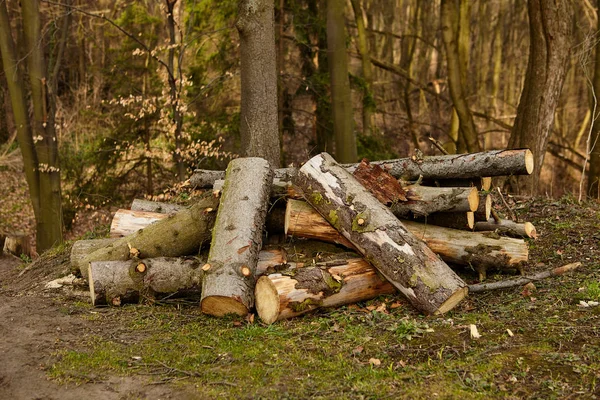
<point>394,226</point>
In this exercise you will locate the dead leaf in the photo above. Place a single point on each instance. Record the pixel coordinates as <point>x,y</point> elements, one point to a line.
<point>357,350</point>
<point>375,362</point>
<point>382,308</point>
<point>509,332</point>
<point>395,305</point>
<point>474,332</point>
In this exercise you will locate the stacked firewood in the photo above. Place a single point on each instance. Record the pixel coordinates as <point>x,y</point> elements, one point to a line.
<point>405,221</point>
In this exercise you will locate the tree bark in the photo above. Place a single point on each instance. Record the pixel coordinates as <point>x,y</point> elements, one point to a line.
<point>176,235</point>
<point>367,68</point>
<point>341,102</point>
<point>297,291</point>
<point>237,238</point>
<point>155,206</point>
<point>453,246</point>
<point>457,220</point>
<point>455,166</point>
<point>259,128</point>
<point>508,227</point>
<point>425,200</point>
<point>550,41</point>
<point>593,183</point>
<point>428,283</point>
<point>456,70</point>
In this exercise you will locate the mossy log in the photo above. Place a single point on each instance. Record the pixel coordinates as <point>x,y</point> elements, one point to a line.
<point>456,166</point>
<point>155,206</point>
<point>297,291</point>
<point>479,250</point>
<point>229,281</point>
<point>82,248</point>
<point>179,234</point>
<point>118,282</point>
<point>508,227</point>
<point>405,261</point>
<point>425,200</point>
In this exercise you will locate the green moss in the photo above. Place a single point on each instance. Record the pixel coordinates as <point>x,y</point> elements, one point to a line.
<point>365,226</point>
<point>307,304</point>
<point>316,198</point>
<point>333,219</point>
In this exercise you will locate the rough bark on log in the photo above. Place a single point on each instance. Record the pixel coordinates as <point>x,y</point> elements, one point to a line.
<point>17,245</point>
<point>380,183</point>
<point>228,285</point>
<point>428,283</point>
<point>279,189</point>
<point>155,206</point>
<point>118,282</point>
<point>483,183</point>
<point>2,240</point>
<point>479,250</point>
<point>82,248</point>
<point>463,166</point>
<point>125,222</point>
<point>456,220</point>
<point>482,287</point>
<point>179,234</point>
<point>507,227</point>
<point>425,200</point>
<point>297,291</point>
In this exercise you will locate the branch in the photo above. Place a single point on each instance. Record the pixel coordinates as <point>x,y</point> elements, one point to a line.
<point>492,119</point>
<point>523,280</point>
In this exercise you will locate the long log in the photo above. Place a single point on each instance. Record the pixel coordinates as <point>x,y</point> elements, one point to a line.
<point>508,227</point>
<point>179,234</point>
<point>228,285</point>
<point>454,246</point>
<point>297,291</point>
<point>452,220</point>
<point>458,166</point>
<point>155,206</point>
<point>405,261</point>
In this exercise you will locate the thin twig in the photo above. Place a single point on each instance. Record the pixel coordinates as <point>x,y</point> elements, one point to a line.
<point>511,212</point>
<point>439,146</point>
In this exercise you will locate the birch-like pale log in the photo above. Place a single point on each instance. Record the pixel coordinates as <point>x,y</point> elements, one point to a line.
<point>508,227</point>
<point>425,200</point>
<point>454,246</point>
<point>428,283</point>
<point>155,206</point>
<point>179,234</point>
<point>301,289</point>
<point>125,222</point>
<point>82,248</point>
<point>229,281</point>
<point>457,166</point>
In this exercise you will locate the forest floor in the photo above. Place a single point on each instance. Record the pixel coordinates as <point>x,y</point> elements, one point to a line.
<point>55,345</point>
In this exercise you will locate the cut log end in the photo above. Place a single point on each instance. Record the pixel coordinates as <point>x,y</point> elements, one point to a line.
<point>91,284</point>
<point>219,306</point>
<point>486,183</point>
<point>529,162</point>
<point>452,301</point>
<point>206,267</point>
<point>471,219</point>
<point>246,271</point>
<point>141,268</point>
<point>267,300</point>
<point>530,230</point>
<point>473,199</point>
<point>488,207</point>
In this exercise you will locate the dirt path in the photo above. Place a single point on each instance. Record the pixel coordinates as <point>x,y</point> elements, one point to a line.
<point>33,327</point>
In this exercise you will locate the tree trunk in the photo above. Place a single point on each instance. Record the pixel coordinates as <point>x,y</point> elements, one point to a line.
<point>454,246</point>
<point>237,238</point>
<point>259,128</point>
<point>456,70</point>
<point>452,166</point>
<point>367,69</point>
<point>593,183</point>
<point>341,102</point>
<point>179,234</point>
<point>297,291</point>
<point>550,42</point>
<point>51,223</point>
<point>428,283</point>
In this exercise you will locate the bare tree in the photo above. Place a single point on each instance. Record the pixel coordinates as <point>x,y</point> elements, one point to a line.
<point>593,186</point>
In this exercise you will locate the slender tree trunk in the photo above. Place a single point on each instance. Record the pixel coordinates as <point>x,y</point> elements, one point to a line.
<point>343,129</point>
<point>367,68</point>
<point>456,70</point>
<point>550,41</point>
<point>258,125</point>
<point>593,187</point>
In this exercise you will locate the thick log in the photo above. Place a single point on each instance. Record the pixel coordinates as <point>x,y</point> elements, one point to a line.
<point>179,234</point>
<point>279,188</point>
<point>462,166</point>
<point>82,248</point>
<point>17,245</point>
<point>405,261</point>
<point>228,285</point>
<point>425,200</point>
<point>118,282</point>
<point>298,290</point>
<point>454,246</point>
<point>155,206</point>
<point>450,220</point>
<point>508,227</point>
<point>125,222</point>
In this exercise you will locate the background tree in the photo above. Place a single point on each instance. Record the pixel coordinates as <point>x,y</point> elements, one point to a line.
<point>593,186</point>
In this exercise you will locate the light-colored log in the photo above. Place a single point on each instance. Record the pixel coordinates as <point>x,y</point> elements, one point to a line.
<point>454,246</point>
<point>425,200</point>
<point>463,166</point>
<point>297,291</point>
<point>228,285</point>
<point>17,245</point>
<point>508,227</point>
<point>125,222</point>
<point>155,206</point>
<point>82,248</point>
<point>179,234</point>
<point>405,261</point>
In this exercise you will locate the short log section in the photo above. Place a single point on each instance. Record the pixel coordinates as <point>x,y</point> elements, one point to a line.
<point>425,200</point>
<point>228,286</point>
<point>125,222</point>
<point>405,261</point>
<point>508,227</point>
